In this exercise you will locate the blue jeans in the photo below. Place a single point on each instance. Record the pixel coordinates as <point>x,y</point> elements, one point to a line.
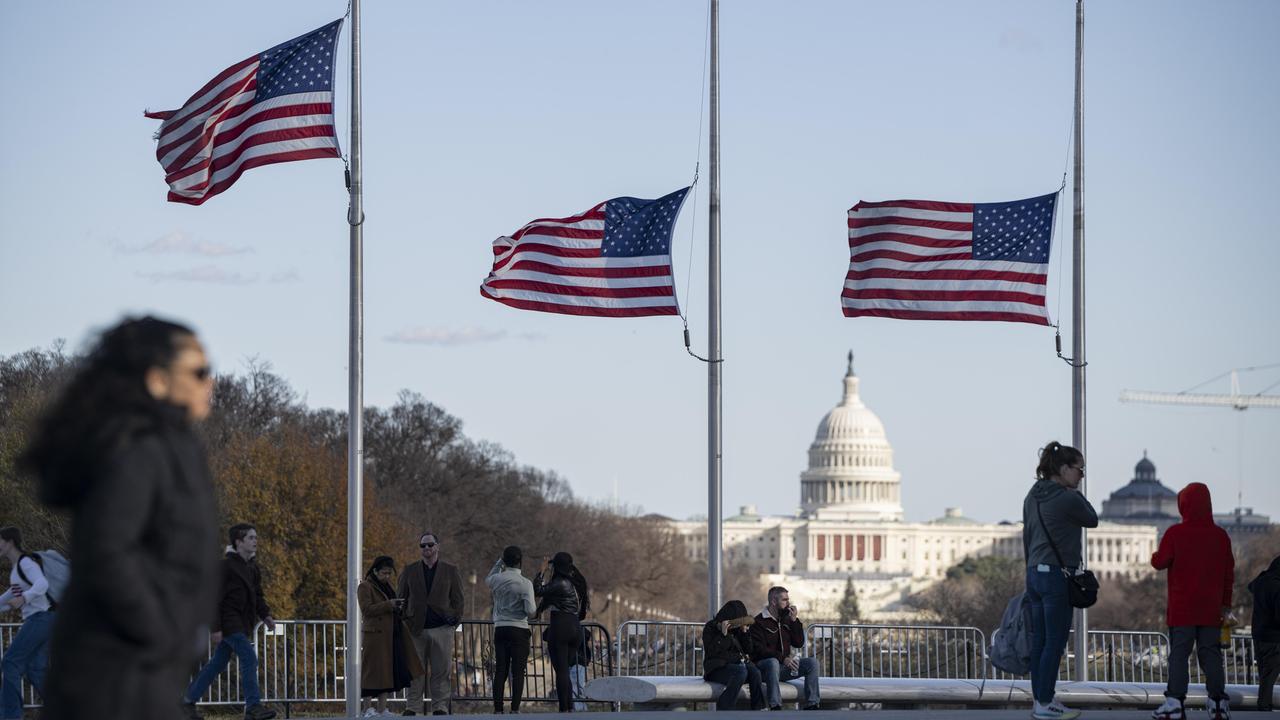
<point>732,677</point>
<point>234,643</point>
<point>772,671</point>
<point>27,655</point>
<point>1051,614</point>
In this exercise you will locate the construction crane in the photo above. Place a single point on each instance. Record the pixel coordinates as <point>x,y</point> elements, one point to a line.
<point>1236,399</point>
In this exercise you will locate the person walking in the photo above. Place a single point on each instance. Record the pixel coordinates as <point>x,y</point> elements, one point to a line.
<point>28,654</point>
<point>388,662</point>
<point>1197,554</point>
<point>726,658</point>
<point>1266,631</point>
<point>240,606</point>
<point>117,450</point>
<point>1053,514</point>
<point>563,590</point>
<point>432,591</point>
<point>513,605</point>
<point>776,632</point>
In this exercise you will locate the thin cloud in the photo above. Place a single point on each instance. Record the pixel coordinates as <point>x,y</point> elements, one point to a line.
<point>210,274</point>
<point>282,277</point>
<point>180,243</point>
<point>450,337</point>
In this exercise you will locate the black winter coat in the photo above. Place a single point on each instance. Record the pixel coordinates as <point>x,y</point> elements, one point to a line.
<point>772,639</point>
<point>720,649</point>
<point>1266,604</point>
<point>241,604</point>
<point>144,558</point>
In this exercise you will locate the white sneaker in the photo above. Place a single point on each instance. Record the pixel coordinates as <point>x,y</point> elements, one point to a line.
<point>1170,710</point>
<point>1053,711</point>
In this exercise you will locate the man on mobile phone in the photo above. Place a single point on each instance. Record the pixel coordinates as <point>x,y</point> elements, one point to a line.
<point>776,633</point>
<point>240,607</point>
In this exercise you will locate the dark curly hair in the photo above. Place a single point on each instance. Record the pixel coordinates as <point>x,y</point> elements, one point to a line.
<point>1053,457</point>
<point>105,402</point>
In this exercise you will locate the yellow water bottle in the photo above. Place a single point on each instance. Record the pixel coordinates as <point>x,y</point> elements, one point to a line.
<point>1229,623</point>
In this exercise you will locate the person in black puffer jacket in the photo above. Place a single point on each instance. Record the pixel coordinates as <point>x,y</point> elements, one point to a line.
<point>565,594</point>
<point>727,645</point>
<point>1266,631</point>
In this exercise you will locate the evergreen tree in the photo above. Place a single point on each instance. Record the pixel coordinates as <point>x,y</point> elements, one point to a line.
<point>849,612</point>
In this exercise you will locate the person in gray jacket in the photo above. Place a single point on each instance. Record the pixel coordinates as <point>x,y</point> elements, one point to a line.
<point>512,607</point>
<point>1053,514</point>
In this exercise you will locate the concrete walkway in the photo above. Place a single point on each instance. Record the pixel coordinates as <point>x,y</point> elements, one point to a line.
<point>1197,713</point>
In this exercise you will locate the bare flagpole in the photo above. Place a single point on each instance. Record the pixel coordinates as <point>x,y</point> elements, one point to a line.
<point>355,384</point>
<point>715,434</point>
<point>1077,327</point>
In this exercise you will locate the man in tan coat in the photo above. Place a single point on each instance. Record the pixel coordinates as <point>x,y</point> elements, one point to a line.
<point>432,590</point>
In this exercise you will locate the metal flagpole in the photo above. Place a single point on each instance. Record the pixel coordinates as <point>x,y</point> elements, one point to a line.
<point>715,434</point>
<point>355,384</point>
<point>1077,328</point>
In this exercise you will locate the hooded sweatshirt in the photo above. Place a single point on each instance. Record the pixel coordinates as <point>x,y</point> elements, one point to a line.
<point>1266,604</point>
<point>1197,554</point>
<point>1065,512</point>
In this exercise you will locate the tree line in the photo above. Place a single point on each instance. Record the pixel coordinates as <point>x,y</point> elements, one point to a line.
<point>282,465</point>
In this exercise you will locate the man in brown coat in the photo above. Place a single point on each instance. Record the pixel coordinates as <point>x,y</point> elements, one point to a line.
<point>432,590</point>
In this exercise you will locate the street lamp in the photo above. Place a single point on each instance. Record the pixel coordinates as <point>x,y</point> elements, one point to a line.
<point>473,579</point>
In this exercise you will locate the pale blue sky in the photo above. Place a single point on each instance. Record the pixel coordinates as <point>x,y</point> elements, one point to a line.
<point>480,116</point>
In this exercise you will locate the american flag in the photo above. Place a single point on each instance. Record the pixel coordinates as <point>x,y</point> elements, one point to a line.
<point>273,107</point>
<point>613,260</point>
<point>925,260</point>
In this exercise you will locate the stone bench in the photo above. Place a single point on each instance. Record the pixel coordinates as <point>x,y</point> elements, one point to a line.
<point>682,690</point>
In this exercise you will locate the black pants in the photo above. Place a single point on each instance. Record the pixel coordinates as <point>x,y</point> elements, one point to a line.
<point>511,649</point>
<point>1205,640</point>
<point>1268,657</point>
<point>563,638</point>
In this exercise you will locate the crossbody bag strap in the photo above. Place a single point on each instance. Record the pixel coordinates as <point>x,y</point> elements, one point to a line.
<point>1056,554</point>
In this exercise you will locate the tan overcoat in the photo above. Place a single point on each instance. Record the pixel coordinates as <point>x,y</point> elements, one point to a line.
<point>377,630</point>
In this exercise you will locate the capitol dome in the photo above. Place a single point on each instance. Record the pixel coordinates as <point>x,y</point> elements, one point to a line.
<point>851,475</point>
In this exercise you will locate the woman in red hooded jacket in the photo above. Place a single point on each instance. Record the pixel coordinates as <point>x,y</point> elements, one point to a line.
<point>1197,554</point>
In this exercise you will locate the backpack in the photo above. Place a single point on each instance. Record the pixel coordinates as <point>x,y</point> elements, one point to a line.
<point>57,570</point>
<point>1011,644</point>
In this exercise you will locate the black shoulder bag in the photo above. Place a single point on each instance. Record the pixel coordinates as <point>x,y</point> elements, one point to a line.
<point>1082,587</point>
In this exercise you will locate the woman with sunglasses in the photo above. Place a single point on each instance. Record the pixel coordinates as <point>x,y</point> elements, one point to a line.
<point>1053,514</point>
<point>118,450</point>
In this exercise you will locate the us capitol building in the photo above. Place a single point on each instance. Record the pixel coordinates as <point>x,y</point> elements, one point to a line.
<point>850,527</point>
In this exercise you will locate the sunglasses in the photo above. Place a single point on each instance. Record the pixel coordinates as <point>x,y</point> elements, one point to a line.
<point>426,545</point>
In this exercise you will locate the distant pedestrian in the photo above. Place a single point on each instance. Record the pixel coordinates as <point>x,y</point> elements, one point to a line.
<point>432,590</point>
<point>726,659</point>
<point>1053,513</point>
<point>1266,631</point>
<point>776,633</point>
<point>513,605</point>
<point>28,654</point>
<point>118,451</point>
<point>388,662</point>
<point>1197,554</point>
<point>241,604</point>
<point>563,590</point>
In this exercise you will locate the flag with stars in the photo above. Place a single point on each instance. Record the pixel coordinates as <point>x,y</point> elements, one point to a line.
<point>925,260</point>
<point>613,260</point>
<point>274,107</point>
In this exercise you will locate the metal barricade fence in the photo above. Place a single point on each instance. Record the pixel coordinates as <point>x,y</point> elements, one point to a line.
<point>897,651</point>
<point>659,648</point>
<point>302,661</point>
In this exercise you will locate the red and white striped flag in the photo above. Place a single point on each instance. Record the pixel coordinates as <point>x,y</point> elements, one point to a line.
<point>925,260</point>
<point>274,107</point>
<point>613,260</point>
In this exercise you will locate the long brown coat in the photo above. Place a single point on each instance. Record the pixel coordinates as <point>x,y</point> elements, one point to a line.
<point>378,633</point>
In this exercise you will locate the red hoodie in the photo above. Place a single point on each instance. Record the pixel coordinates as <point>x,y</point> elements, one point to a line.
<point>1197,554</point>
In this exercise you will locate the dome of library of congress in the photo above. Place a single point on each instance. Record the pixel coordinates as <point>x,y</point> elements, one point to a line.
<point>851,475</point>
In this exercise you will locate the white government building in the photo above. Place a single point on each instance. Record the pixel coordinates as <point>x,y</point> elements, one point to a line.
<point>850,526</point>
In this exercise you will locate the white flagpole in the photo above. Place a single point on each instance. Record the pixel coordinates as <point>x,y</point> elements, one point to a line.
<point>355,385</point>
<point>715,433</point>
<point>1077,328</point>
